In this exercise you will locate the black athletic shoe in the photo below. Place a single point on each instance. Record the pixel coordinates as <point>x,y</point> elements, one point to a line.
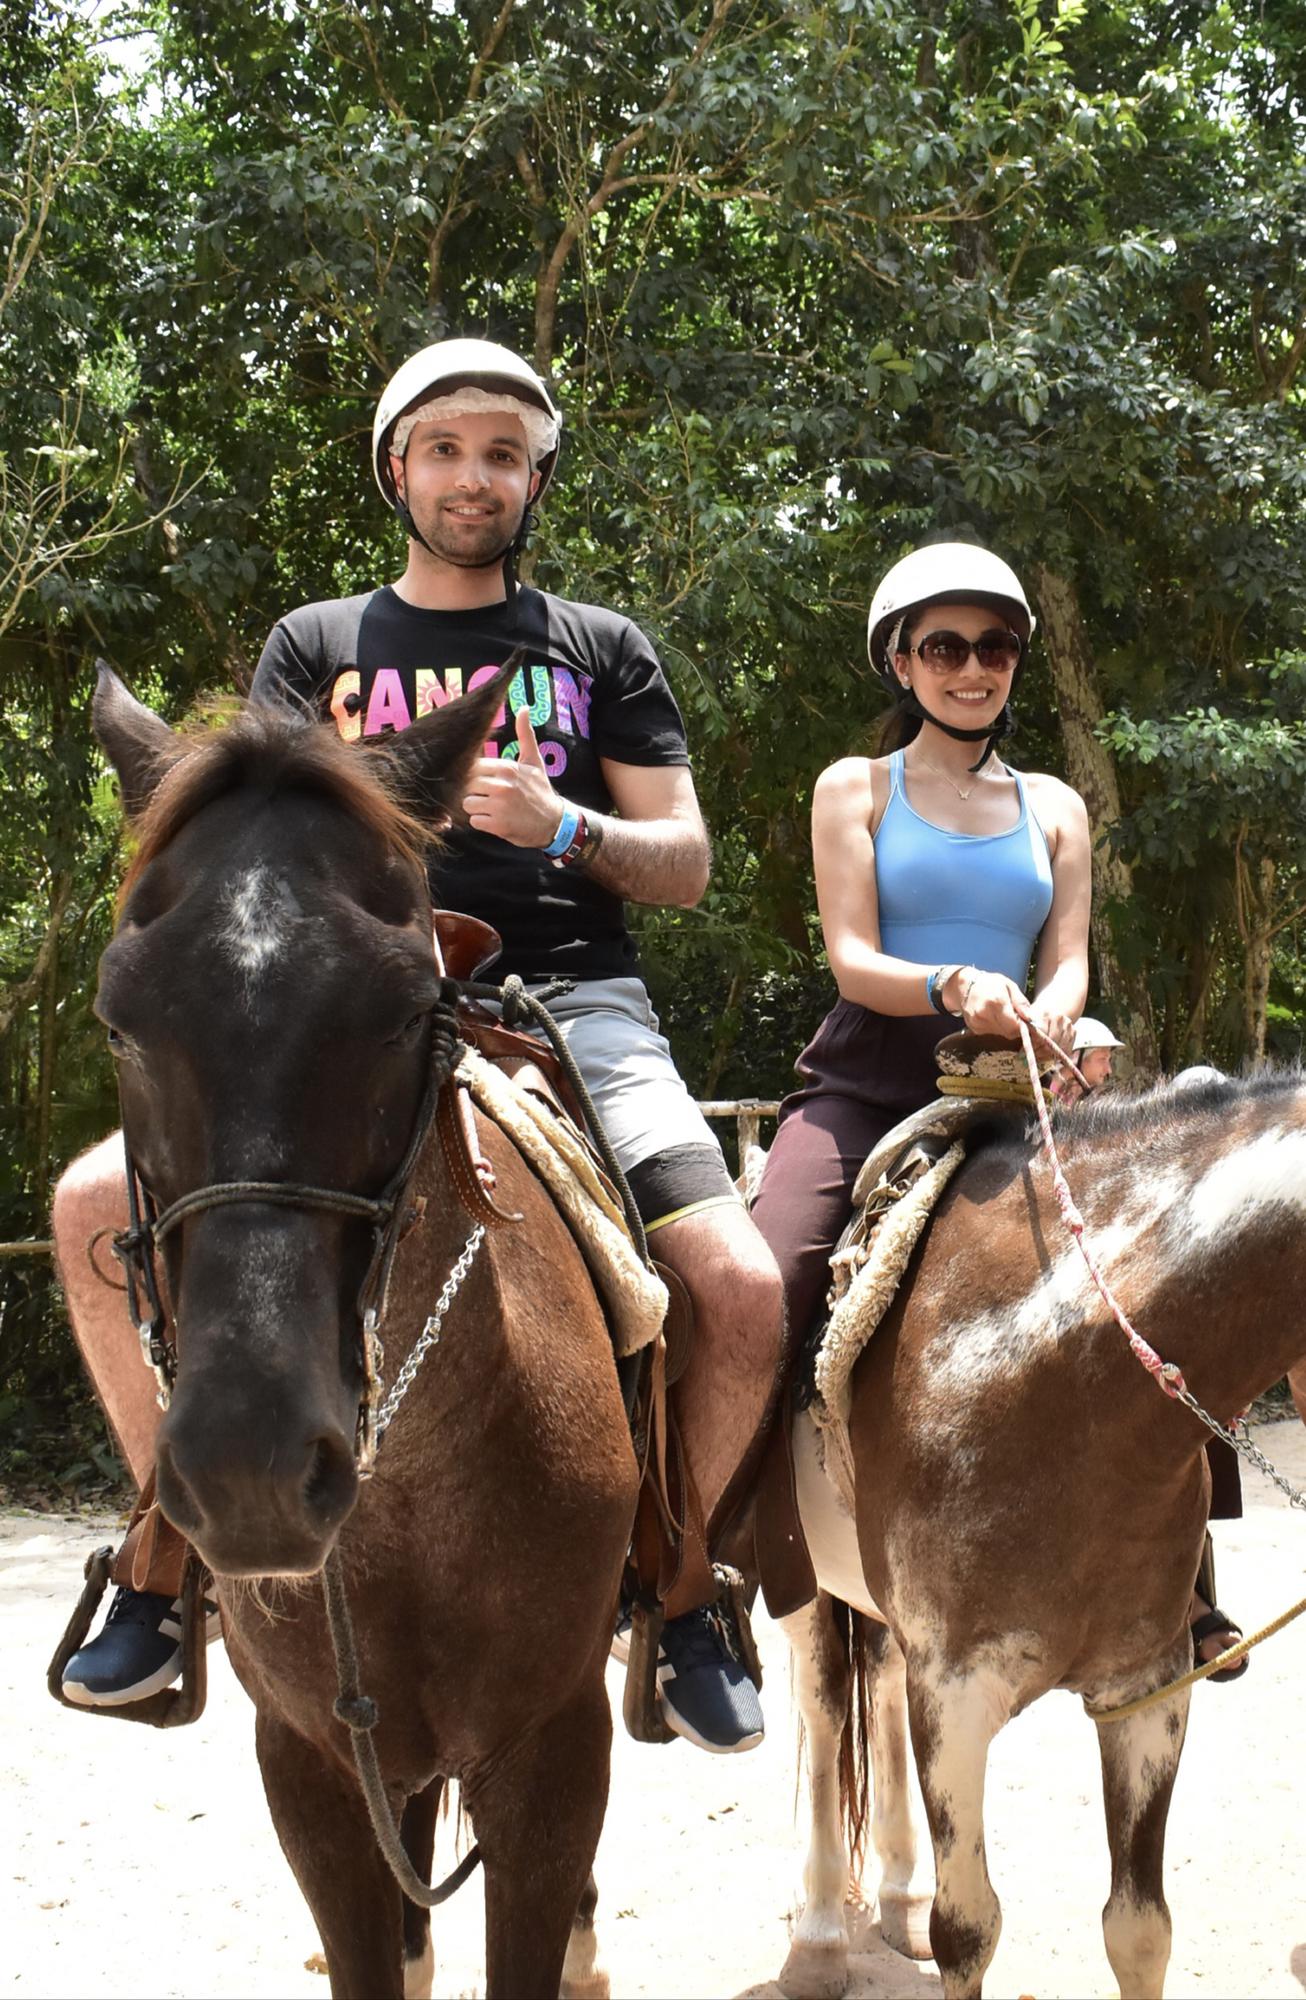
<point>136,1652</point>
<point>708,1696</point>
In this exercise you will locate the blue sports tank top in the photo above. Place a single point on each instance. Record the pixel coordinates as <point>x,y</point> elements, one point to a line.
<point>975,899</point>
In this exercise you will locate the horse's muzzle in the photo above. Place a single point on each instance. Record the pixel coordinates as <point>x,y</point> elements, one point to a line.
<point>252,1500</point>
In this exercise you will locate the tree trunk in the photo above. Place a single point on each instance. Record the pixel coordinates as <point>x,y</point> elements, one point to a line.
<point>1258,928</point>
<point>1091,770</point>
<point>47,1045</point>
<point>727,1033</point>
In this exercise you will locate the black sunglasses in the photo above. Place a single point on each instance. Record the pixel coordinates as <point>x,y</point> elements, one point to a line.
<point>998,651</point>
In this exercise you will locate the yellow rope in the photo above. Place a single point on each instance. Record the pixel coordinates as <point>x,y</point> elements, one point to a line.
<point>1225,1659</point>
<point>1005,1090</point>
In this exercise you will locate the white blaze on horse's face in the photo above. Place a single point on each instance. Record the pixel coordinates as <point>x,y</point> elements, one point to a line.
<point>1268,1172</point>
<point>262,912</point>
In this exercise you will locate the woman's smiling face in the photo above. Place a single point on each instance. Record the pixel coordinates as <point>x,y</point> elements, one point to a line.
<point>968,694</point>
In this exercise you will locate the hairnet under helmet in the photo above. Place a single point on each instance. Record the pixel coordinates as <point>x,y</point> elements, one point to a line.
<point>450,365</point>
<point>480,375</point>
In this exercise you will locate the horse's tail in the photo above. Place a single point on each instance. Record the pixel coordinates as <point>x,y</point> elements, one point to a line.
<point>858,1637</point>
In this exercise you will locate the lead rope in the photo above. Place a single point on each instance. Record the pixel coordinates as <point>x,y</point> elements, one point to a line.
<point>356,1710</point>
<point>359,1714</point>
<point>1169,1377</point>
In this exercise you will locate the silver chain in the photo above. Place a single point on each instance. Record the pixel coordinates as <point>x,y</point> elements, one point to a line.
<point>429,1337</point>
<point>1236,1434</point>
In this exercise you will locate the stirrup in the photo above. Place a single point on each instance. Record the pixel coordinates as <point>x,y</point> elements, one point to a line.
<point>170,1707</point>
<point>641,1711</point>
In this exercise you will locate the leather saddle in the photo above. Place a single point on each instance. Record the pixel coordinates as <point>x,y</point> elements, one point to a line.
<point>468,948</point>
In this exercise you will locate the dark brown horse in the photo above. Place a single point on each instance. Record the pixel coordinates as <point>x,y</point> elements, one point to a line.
<point>1029,1506</point>
<point>270,994</point>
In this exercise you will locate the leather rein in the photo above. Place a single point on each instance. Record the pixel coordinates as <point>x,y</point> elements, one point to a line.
<point>389,1214</point>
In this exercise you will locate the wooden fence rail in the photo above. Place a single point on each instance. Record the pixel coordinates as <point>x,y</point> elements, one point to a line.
<point>747,1112</point>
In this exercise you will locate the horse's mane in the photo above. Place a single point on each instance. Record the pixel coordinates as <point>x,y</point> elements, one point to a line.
<point>1124,1115</point>
<point>1127,1114</point>
<point>273,747</point>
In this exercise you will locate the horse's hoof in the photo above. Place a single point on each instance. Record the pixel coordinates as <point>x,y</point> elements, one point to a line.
<point>594,1986</point>
<point>905,1923</point>
<point>419,1973</point>
<point>583,1978</point>
<point>815,1971</point>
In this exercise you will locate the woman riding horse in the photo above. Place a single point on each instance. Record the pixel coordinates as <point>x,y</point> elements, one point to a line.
<point>939,874</point>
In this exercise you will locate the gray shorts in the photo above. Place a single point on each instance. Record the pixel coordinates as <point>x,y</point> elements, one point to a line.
<point>667,1149</point>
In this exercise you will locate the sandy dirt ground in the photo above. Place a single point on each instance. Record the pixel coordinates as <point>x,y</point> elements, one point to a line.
<point>140,1864</point>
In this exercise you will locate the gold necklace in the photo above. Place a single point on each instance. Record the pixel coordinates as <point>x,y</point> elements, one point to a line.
<point>962,791</point>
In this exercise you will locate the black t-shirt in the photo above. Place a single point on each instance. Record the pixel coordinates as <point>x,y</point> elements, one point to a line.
<point>594,689</point>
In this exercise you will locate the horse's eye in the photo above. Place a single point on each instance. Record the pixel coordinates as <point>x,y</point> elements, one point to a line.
<point>411,1029</point>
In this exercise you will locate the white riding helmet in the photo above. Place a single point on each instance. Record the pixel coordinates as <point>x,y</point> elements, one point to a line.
<point>1198,1074</point>
<point>944,570</point>
<point>474,365</point>
<point>1091,1034</point>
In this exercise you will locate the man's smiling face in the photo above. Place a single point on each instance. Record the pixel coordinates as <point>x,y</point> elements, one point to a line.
<point>467,481</point>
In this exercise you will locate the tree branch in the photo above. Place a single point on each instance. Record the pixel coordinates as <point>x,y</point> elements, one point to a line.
<point>610,181</point>
<point>1288,373</point>
<point>486,55</point>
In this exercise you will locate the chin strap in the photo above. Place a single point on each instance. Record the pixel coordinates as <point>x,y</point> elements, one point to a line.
<point>507,556</point>
<point>989,737</point>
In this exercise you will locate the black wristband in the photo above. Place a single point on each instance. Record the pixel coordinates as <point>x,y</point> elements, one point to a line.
<point>934,986</point>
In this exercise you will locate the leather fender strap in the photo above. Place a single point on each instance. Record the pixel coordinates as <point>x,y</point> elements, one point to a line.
<point>670,1540</point>
<point>784,1563</point>
<point>469,1169</point>
<point>153,1555</point>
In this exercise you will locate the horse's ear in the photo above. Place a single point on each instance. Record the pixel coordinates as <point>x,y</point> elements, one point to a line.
<point>432,759</point>
<point>138,743</point>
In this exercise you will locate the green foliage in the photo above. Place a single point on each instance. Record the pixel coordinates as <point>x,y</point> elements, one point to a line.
<point>813,283</point>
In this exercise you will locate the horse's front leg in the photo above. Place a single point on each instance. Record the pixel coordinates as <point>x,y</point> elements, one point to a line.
<point>1140,1757</point>
<point>817,1965</point>
<point>325,1834</point>
<point>904,1911</point>
<point>956,1710</point>
<point>538,1812</point>
<point>417,1830</point>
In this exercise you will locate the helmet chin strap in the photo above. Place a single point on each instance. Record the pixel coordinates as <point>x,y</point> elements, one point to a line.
<point>507,555</point>
<point>989,736</point>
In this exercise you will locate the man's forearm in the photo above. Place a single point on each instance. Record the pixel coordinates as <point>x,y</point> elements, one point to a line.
<point>659,861</point>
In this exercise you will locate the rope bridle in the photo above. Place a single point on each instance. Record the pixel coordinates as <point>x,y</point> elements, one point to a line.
<point>1167,1375</point>
<point>389,1214</point>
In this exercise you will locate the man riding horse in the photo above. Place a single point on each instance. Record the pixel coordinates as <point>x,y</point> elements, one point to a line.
<point>582,801</point>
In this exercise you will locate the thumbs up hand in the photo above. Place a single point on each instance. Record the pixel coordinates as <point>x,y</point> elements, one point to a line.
<point>512,796</point>
<point>528,748</point>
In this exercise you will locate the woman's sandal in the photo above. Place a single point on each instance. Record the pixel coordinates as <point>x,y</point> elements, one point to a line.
<point>1213,1622</point>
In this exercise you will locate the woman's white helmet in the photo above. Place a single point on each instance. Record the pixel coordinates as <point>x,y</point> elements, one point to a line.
<point>943,571</point>
<point>466,376</point>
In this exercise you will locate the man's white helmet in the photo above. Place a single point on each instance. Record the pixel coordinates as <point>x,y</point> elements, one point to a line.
<point>481,368</point>
<point>944,570</point>
<point>1091,1034</point>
